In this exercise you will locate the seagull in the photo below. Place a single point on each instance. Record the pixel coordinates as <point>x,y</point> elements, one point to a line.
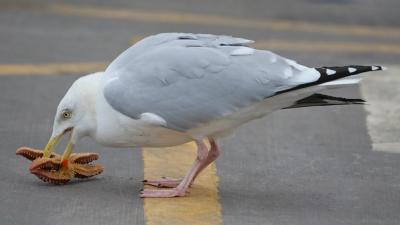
<point>172,88</point>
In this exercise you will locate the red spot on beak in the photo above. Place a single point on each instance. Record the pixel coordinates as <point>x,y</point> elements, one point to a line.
<point>64,164</point>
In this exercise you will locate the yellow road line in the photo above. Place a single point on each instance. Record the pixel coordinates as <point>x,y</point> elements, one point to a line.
<point>274,45</point>
<point>328,47</point>
<point>318,46</point>
<point>201,206</point>
<point>51,69</point>
<point>170,17</point>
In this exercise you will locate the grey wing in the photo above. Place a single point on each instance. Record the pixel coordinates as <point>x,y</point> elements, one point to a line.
<point>191,80</point>
<point>171,39</point>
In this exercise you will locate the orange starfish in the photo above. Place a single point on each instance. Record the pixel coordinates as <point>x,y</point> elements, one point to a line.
<point>50,169</point>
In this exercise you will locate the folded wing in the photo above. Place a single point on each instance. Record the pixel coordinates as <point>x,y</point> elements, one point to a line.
<point>191,79</point>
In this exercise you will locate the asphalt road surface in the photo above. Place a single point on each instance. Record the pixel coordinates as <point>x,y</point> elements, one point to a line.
<point>301,166</point>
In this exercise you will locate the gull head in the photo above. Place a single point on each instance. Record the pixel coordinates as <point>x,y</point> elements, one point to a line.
<point>76,112</point>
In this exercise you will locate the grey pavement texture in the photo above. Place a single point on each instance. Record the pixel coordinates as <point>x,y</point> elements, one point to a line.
<point>300,166</point>
<point>308,166</point>
<point>383,118</point>
<point>26,115</point>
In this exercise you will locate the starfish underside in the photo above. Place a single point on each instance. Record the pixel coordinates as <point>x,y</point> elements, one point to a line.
<point>51,169</point>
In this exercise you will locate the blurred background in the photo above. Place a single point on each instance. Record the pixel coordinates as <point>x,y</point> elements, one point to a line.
<point>334,165</point>
<point>313,32</point>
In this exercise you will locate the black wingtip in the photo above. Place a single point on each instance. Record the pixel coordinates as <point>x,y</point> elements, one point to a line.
<point>332,73</point>
<point>376,68</point>
<point>335,72</point>
<point>344,71</point>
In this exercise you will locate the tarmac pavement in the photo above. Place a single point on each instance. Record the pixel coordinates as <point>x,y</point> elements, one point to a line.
<point>300,166</point>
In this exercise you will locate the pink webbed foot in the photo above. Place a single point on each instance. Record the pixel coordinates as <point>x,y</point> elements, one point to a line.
<point>163,182</point>
<point>162,193</point>
<point>178,188</point>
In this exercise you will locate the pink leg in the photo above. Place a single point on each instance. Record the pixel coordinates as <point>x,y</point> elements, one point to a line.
<point>211,157</point>
<point>164,182</point>
<point>204,158</point>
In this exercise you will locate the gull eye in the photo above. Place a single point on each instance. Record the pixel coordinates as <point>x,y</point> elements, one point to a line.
<point>66,114</point>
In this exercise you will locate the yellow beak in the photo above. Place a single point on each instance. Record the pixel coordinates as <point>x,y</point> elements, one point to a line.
<point>51,145</point>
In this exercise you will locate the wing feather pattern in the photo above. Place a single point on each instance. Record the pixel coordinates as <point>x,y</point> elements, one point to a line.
<point>192,79</point>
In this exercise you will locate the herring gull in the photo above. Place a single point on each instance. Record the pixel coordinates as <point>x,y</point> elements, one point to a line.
<point>173,88</point>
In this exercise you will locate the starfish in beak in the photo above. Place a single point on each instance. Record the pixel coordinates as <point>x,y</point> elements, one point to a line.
<point>51,169</point>
<point>75,117</point>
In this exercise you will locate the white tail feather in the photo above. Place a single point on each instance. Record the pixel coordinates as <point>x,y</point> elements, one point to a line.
<point>341,83</point>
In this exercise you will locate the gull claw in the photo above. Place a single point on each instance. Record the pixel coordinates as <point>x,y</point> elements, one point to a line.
<point>50,169</point>
<point>162,193</point>
<point>164,182</point>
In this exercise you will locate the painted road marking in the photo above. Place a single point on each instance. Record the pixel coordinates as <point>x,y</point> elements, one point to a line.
<point>328,47</point>
<point>317,46</point>
<point>173,17</point>
<point>382,92</point>
<point>51,69</point>
<point>274,45</point>
<point>201,206</point>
